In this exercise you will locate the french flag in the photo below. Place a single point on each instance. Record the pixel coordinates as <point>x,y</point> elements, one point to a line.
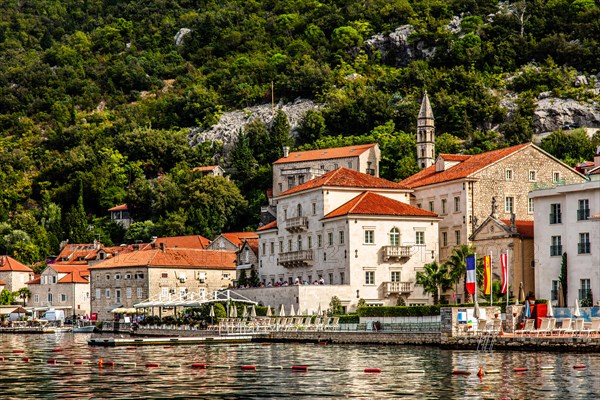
<point>471,276</point>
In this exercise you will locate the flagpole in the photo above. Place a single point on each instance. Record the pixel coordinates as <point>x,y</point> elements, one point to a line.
<point>507,279</point>
<point>491,279</point>
<point>475,295</point>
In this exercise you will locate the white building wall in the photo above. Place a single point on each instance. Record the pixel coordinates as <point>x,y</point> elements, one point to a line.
<point>579,266</point>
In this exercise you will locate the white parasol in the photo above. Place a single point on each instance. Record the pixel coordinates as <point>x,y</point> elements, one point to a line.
<point>282,311</point>
<point>577,312</point>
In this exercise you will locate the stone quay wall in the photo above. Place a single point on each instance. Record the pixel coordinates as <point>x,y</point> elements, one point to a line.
<point>338,337</point>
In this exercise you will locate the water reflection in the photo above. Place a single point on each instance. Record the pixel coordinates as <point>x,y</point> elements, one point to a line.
<point>41,380</point>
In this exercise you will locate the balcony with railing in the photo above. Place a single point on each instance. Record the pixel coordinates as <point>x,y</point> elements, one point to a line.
<point>398,288</point>
<point>300,258</point>
<point>583,214</point>
<point>296,224</point>
<point>583,248</point>
<point>556,250</point>
<point>396,252</point>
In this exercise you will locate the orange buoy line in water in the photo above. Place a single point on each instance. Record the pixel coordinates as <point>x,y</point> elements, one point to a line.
<point>480,373</point>
<point>520,369</point>
<point>152,365</point>
<point>299,368</point>
<point>460,372</point>
<point>18,351</point>
<point>248,367</point>
<point>199,365</point>
<point>579,366</point>
<point>373,370</point>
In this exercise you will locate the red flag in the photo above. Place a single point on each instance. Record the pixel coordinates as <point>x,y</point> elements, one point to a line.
<point>487,275</point>
<point>504,265</point>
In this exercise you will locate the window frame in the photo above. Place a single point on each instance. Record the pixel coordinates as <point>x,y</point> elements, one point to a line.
<point>369,278</point>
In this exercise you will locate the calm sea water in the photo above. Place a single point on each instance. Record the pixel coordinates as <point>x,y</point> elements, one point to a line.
<point>21,380</point>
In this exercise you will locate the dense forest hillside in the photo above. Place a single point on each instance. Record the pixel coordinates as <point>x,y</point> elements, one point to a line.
<point>98,98</point>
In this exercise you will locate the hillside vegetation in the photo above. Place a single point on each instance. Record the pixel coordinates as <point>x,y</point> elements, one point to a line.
<point>96,99</point>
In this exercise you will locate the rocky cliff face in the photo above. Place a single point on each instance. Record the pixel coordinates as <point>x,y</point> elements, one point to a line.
<point>553,113</point>
<point>395,49</point>
<point>230,123</point>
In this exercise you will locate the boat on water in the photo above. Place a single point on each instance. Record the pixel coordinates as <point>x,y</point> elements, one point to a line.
<point>84,328</point>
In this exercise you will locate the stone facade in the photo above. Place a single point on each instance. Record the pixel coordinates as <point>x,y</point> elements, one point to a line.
<point>568,221</point>
<point>14,274</point>
<point>71,295</point>
<point>494,237</point>
<point>288,173</point>
<point>179,274</point>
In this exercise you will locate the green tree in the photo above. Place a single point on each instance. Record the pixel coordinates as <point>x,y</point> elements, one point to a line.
<point>435,279</point>
<point>6,297</point>
<point>335,306</point>
<point>76,222</point>
<point>279,136</point>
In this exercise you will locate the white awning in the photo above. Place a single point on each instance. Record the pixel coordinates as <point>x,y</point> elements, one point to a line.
<point>244,266</point>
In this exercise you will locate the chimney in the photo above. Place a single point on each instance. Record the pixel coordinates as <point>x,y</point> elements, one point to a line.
<point>163,246</point>
<point>286,151</point>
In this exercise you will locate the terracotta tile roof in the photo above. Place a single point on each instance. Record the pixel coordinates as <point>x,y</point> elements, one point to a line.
<point>68,268</point>
<point>2,283</point>
<point>469,165</point>
<point>322,154</point>
<point>177,258</point>
<point>525,228</point>
<point>10,264</point>
<point>344,177</point>
<point>183,242</point>
<point>270,225</point>
<point>369,203</point>
<point>121,207</point>
<point>253,244</point>
<point>237,238</point>
<point>208,168</point>
<point>75,277</point>
<point>76,251</point>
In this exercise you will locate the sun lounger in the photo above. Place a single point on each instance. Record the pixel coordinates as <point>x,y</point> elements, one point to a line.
<point>594,327</point>
<point>566,327</point>
<point>527,329</point>
<point>578,327</point>
<point>546,327</point>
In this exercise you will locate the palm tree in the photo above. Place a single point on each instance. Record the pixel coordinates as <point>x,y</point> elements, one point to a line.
<point>457,266</point>
<point>435,279</point>
<point>24,293</point>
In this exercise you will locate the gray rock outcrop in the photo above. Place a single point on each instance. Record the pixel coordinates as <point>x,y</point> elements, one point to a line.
<point>179,36</point>
<point>230,123</point>
<point>553,113</point>
<point>395,48</point>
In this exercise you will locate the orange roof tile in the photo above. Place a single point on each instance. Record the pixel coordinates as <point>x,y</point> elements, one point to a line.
<point>177,258</point>
<point>270,225</point>
<point>344,177</point>
<point>184,242</point>
<point>76,251</point>
<point>469,165</point>
<point>75,277</point>
<point>322,154</point>
<point>369,203</point>
<point>68,268</point>
<point>525,228</point>
<point>10,264</point>
<point>2,283</point>
<point>207,168</point>
<point>121,207</point>
<point>237,237</point>
<point>253,244</point>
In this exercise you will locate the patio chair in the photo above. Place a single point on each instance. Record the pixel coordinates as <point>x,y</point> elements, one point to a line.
<point>594,327</point>
<point>527,329</point>
<point>546,327</point>
<point>578,327</point>
<point>566,327</point>
<point>324,323</point>
<point>334,324</point>
<point>482,327</point>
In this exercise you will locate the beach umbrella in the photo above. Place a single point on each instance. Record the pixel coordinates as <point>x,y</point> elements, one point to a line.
<point>527,310</point>
<point>550,311</point>
<point>577,312</point>
<point>269,311</point>
<point>253,311</point>
<point>292,311</point>
<point>233,311</point>
<point>561,295</point>
<point>245,312</point>
<point>211,313</point>
<point>319,309</point>
<point>476,312</point>
<point>282,311</point>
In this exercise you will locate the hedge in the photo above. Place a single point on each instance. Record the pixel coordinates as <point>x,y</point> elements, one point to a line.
<point>398,311</point>
<point>349,318</point>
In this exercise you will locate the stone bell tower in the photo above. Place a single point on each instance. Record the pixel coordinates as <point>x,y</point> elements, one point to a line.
<point>425,134</point>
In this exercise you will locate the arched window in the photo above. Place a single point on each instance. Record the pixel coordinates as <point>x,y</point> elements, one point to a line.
<point>422,152</point>
<point>395,237</point>
<point>299,210</point>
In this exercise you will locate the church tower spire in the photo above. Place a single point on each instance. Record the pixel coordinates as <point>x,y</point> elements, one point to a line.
<point>425,134</point>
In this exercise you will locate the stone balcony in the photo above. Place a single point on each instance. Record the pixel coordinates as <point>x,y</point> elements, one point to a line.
<point>300,258</point>
<point>296,224</point>
<point>396,252</point>
<point>398,288</point>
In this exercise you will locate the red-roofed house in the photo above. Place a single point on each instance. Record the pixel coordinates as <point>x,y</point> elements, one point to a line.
<point>231,241</point>
<point>181,242</point>
<point>297,167</point>
<point>355,233</point>
<point>161,274</point>
<point>120,215</point>
<point>61,286</point>
<point>460,188</point>
<point>213,170</point>
<point>14,274</point>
